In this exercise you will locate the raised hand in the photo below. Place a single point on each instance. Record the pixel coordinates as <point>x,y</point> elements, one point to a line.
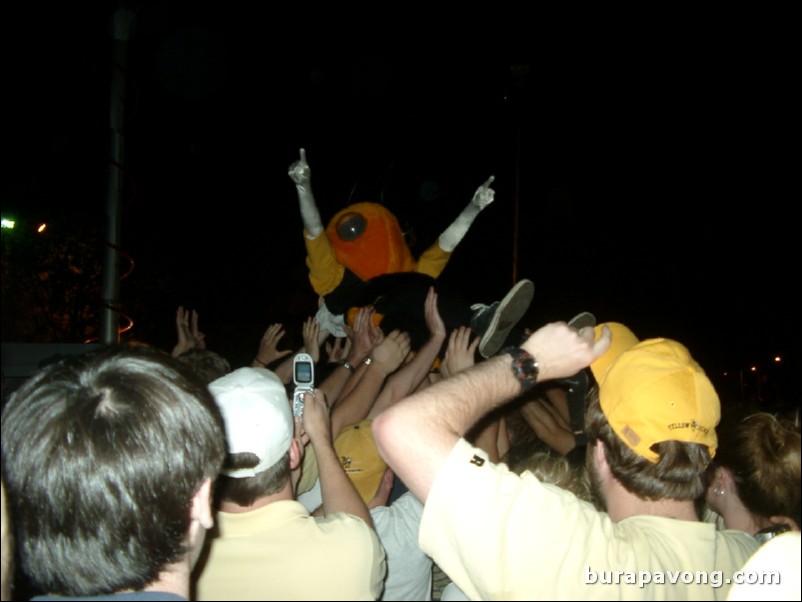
<point>300,172</point>
<point>189,336</point>
<point>434,322</point>
<point>338,349</point>
<point>200,338</point>
<point>392,351</point>
<point>312,338</point>
<point>452,235</point>
<point>302,176</point>
<point>562,351</point>
<point>364,335</point>
<point>484,195</point>
<point>316,421</point>
<point>460,353</point>
<point>268,346</point>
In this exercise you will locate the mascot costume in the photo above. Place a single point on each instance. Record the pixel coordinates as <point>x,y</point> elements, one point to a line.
<point>361,258</point>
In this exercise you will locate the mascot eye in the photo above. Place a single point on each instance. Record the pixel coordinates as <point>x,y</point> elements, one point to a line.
<point>351,226</point>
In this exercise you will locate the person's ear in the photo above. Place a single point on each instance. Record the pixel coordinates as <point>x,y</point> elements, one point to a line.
<point>296,455</point>
<point>724,479</point>
<point>201,510</point>
<point>600,458</point>
<point>298,429</point>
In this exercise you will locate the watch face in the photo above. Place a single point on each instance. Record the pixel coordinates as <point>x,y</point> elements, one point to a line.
<point>524,366</point>
<point>528,367</point>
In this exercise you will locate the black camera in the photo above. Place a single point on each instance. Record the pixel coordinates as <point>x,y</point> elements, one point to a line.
<point>303,374</point>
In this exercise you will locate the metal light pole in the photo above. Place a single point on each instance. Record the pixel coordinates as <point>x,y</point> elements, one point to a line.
<point>110,294</point>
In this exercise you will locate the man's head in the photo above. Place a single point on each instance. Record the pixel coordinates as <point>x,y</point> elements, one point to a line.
<point>759,464</point>
<point>206,363</point>
<point>259,430</point>
<point>108,459</point>
<point>655,411</point>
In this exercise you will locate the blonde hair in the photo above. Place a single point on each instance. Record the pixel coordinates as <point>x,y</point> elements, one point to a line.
<point>551,467</point>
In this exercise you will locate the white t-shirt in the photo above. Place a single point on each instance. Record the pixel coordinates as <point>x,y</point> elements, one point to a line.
<point>409,570</point>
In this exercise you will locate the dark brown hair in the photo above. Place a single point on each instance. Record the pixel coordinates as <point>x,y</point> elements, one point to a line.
<point>245,491</point>
<point>763,455</point>
<point>679,474</point>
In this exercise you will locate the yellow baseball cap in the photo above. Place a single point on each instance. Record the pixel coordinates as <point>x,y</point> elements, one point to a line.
<point>360,459</point>
<point>655,391</point>
<point>623,339</point>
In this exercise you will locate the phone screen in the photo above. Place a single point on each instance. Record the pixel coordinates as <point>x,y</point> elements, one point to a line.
<point>303,372</point>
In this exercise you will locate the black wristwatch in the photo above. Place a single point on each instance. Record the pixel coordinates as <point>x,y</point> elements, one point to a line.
<point>524,367</point>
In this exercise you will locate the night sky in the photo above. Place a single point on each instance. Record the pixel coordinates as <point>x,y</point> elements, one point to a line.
<point>653,182</point>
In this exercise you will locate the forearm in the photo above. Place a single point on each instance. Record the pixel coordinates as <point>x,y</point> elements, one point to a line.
<point>356,358</point>
<point>557,436</point>
<point>408,377</point>
<point>336,490</point>
<point>356,405</point>
<point>335,383</point>
<point>309,212</point>
<point>452,235</point>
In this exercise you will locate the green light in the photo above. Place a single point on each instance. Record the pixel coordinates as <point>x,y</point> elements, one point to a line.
<point>7,223</point>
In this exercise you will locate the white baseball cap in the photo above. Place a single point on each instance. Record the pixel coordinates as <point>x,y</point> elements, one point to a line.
<point>257,416</point>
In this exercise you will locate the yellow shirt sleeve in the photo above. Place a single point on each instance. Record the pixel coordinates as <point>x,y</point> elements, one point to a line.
<point>433,261</point>
<point>325,272</point>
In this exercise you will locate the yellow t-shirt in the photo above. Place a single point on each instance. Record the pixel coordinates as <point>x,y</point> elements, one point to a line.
<point>326,272</point>
<point>280,552</point>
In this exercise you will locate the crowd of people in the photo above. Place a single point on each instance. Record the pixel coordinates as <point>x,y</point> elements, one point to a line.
<point>446,452</point>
